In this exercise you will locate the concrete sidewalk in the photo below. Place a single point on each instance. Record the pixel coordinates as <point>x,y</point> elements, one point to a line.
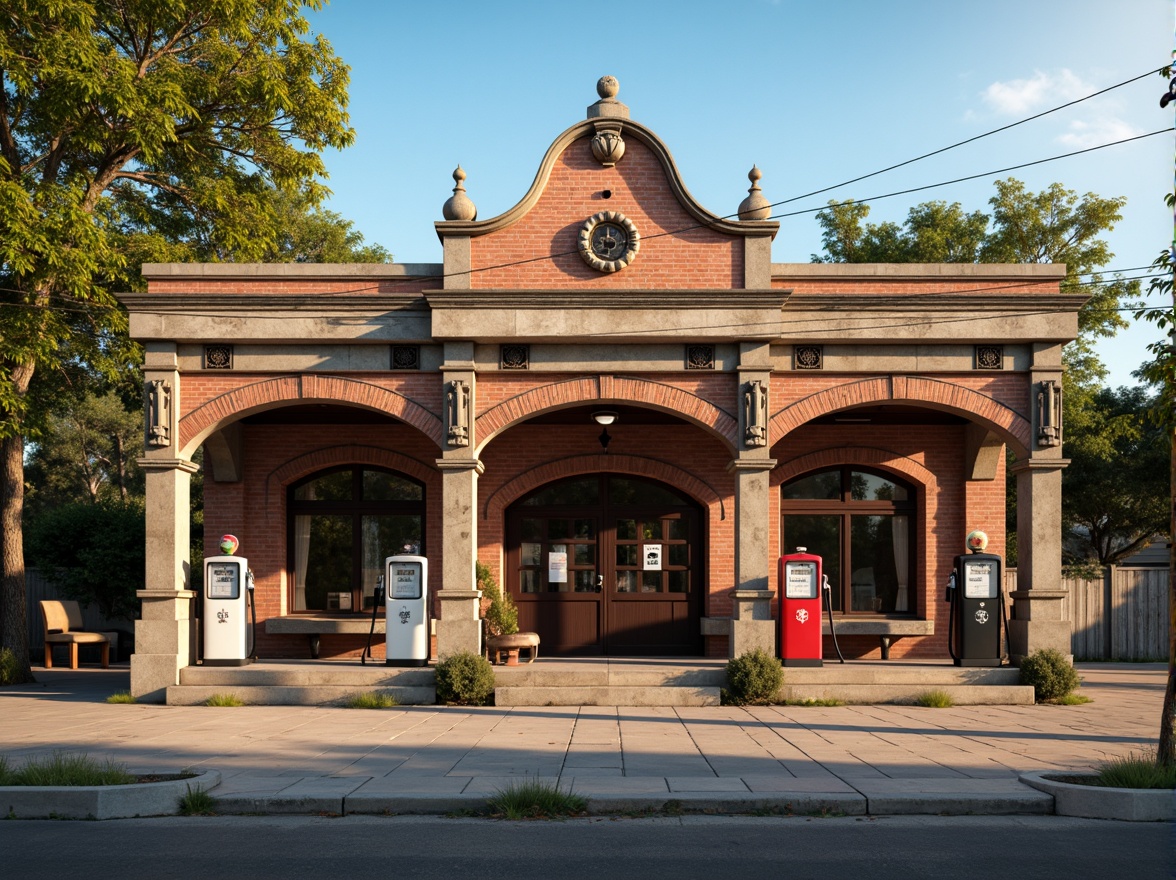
<point>876,759</point>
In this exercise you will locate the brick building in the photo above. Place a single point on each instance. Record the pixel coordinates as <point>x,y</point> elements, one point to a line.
<point>613,398</point>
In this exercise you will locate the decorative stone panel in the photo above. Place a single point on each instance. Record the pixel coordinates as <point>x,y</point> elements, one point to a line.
<point>808,357</point>
<point>218,357</point>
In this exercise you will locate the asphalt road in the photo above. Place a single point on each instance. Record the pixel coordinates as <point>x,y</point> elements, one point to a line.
<point>712,847</point>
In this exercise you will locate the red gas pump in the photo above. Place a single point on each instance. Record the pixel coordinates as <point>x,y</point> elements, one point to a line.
<point>799,580</point>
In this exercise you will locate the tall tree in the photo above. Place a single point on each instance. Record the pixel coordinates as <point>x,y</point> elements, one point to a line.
<point>169,112</point>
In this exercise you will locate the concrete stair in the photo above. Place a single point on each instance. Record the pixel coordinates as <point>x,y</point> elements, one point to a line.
<point>599,682</point>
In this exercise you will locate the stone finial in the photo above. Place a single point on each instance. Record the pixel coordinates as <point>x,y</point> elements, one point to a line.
<point>755,206</point>
<point>458,206</point>
<point>608,105</point>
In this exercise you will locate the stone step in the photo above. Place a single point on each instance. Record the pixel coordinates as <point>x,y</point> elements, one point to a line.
<point>297,695</point>
<point>961,695</point>
<point>308,674</point>
<point>581,695</point>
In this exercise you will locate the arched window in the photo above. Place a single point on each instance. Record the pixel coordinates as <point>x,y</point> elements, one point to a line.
<point>859,522</point>
<point>343,524</point>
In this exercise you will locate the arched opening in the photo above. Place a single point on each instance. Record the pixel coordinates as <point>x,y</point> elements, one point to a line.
<point>342,524</point>
<point>608,564</point>
<point>860,521</point>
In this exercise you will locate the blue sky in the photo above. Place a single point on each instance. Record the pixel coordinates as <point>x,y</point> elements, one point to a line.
<point>814,93</point>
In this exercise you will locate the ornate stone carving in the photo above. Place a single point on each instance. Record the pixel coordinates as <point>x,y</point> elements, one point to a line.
<point>218,357</point>
<point>808,357</point>
<point>1049,413</point>
<point>989,357</point>
<point>458,206</point>
<point>755,206</point>
<point>515,357</point>
<point>755,414</point>
<point>157,412</point>
<point>609,241</point>
<point>607,144</point>
<point>700,357</point>
<point>457,412</point>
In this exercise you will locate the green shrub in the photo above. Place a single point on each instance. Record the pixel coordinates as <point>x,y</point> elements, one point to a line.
<point>936,699</point>
<point>62,768</point>
<point>465,678</point>
<point>502,617</point>
<point>534,799</point>
<point>224,700</point>
<point>753,678</point>
<point>1051,675</point>
<point>1137,770</point>
<point>10,671</point>
<point>371,700</point>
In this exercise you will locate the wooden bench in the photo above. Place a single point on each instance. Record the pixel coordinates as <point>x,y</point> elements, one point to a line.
<point>63,623</point>
<point>886,629</point>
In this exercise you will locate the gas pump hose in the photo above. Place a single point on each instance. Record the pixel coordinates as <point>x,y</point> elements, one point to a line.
<point>367,651</point>
<point>253,611</point>
<point>951,617</point>
<point>828,591</point>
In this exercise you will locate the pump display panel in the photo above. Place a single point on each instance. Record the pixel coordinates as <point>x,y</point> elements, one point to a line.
<point>979,580</point>
<point>800,580</point>
<point>224,582</point>
<point>406,580</point>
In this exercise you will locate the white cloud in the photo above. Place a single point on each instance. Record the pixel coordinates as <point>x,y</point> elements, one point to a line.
<point>1083,134</point>
<point>1018,97</point>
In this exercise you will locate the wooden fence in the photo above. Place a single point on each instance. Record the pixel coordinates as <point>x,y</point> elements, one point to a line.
<point>1121,616</point>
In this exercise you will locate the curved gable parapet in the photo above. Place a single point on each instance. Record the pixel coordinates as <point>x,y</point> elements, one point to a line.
<point>587,128</point>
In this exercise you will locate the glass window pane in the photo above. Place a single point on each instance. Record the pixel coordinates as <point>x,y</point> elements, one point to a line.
<point>584,529</point>
<point>532,529</point>
<point>820,535</point>
<point>651,581</point>
<point>567,494</point>
<point>385,536</point>
<point>531,553</point>
<point>322,559</point>
<point>584,554</point>
<point>557,529</point>
<point>823,486</point>
<point>679,581</point>
<point>874,579</point>
<point>331,487</point>
<point>678,554</point>
<point>626,582</point>
<point>585,581</point>
<point>622,490</point>
<point>382,486</point>
<point>626,554</point>
<point>676,529</point>
<point>871,487</point>
<point>529,581</point>
<point>626,529</point>
<point>651,530</point>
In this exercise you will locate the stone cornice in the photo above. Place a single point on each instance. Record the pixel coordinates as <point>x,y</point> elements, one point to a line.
<point>962,302</point>
<point>289,271</point>
<point>230,304</point>
<point>587,129</point>
<point>1041,272</point>
<point>606,299</point>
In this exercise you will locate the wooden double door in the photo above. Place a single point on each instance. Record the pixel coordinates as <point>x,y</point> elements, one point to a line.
<point>607,564</point>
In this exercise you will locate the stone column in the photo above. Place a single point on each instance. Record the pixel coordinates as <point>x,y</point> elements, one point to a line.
<point>1038,621</point>
<point>163,642</point>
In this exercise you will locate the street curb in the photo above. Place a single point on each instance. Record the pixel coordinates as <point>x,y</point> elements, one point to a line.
<point>101,801</point>
<point>1100,802</point>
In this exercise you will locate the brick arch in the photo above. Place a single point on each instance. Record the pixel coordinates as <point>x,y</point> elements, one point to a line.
<point>937,394</point>
<point>604,390</point>
<point>307,388</point>
<point>866,456</point>
<point>634,465</point>
<point>333,456</point>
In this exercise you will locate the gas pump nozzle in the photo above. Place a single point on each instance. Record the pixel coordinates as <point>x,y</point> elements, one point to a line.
<point>951,586</point>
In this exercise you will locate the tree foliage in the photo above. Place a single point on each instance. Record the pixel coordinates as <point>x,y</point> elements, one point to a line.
<point>127,128</point>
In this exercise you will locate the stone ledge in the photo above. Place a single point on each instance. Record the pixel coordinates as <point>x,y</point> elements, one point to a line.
<point>101,801</point>
<point>882,627</point>
<point>307,625</point>
<point>1100,802</point>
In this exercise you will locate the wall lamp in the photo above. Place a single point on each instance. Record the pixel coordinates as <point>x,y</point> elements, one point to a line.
<point>604,418</point>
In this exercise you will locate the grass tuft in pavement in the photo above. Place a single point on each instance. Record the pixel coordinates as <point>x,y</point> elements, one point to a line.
<point>935,699</point>
<point>64,768</point>
<point>224,700</point>
<point>534,799</point>
<point>121,697</point>
<point>1137,770</point>
<point>197,802</point>
<point>371,700</point>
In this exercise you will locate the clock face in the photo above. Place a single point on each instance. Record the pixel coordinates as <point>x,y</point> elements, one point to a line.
<point>608,241</point>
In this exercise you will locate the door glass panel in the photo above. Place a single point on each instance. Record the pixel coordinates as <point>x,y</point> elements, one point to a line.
<point>676,530</point>
<point>381,486</point>
<point>566,494</point>
<point>531,553</point>
<point>585,581</point>
<point>651,581</point>
<point>622,490</point>
<point>557,529</point>
<point>626,529</point>
<point>874,579</point>
<point>823,486</point>
<point>651,530</point>
<point>679,554</point>
<point>322,559</point>
<point>584,529</point>
<point>679,581</point>
<point>871,487</point>
<point>331,487</point>
<point>626,581</point>
<point>820,535</point>
<point>585,554</point>
<point>532,529</point>
<point>626,554</point>
<point>528,581</point>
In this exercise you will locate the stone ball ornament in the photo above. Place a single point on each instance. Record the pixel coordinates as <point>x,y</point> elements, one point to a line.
<point>977,541</point>
<point>607,87</point>
<point>608,241</point>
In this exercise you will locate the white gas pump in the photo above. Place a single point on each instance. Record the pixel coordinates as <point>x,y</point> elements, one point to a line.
<point>406,622</point>
<point>228,585</point>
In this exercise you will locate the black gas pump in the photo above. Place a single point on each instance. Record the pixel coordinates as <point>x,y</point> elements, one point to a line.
<point>977,606</point>
<point>377,604</point>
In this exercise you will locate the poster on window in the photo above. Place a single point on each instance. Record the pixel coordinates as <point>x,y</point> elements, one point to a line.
<point>557,564</point>
<point>651,555</point>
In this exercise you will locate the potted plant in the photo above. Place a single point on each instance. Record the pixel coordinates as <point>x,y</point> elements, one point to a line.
<point>502,621</point>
